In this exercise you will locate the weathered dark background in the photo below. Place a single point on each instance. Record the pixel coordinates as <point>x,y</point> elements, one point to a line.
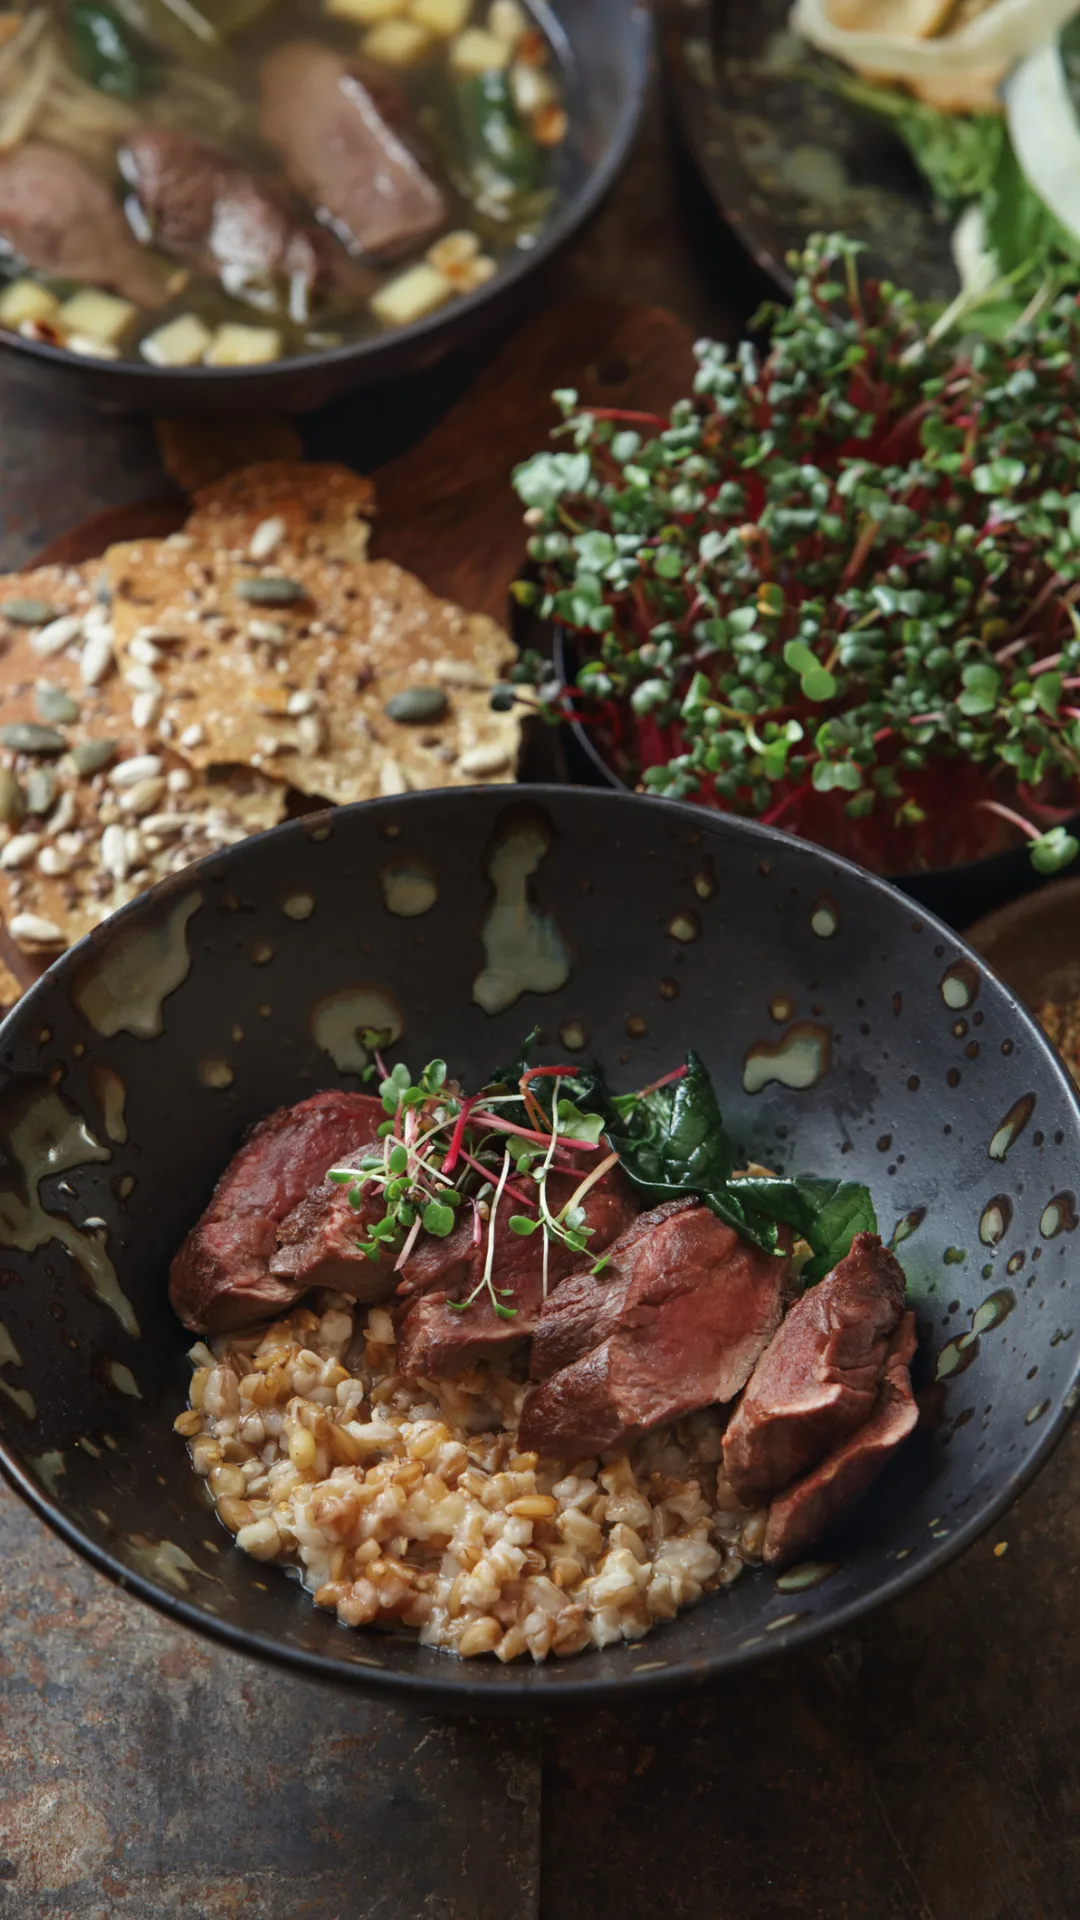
<point>924,1768</point>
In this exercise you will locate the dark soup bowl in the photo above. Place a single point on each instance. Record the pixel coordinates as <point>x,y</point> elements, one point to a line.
<point>604,52</point>
<point>847,1034</point>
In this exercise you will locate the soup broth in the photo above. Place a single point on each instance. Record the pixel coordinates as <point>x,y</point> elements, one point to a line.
<point>230,182</point>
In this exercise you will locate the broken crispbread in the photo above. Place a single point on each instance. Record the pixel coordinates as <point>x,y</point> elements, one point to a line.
<point>284,506</point>
<point>290,667</point>
<point>10,989</point>
<point>93,806</point>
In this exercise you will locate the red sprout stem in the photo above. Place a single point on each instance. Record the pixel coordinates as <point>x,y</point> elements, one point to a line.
<point>458,1134</point>
<point>777,813</point>
<point>679,1073</point>
<point>621,413</point>
<point>1007,813</point>
<point>527,1133</point>
<point>527,1200</point>
<point>380,1063</point>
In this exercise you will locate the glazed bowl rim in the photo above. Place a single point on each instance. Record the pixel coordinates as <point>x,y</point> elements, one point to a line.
<point>539,1688</point>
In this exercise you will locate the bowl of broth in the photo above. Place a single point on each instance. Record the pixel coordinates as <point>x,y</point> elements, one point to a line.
<point>265,202</point>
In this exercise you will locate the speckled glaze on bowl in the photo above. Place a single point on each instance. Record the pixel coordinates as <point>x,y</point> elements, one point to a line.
<point>128,1074</point>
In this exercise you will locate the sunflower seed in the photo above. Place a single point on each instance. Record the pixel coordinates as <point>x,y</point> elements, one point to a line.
<point>91,755</point>
<point>143,766</point>
<point>28,613</point>
<point>97,657</point>
<point>40,790</point>
<point>52,862</point>
<point>271,631</point>
<point>415,705</point>
<point>298,703</point>
<point>10,797</point>
<point>133,846</point>
<point>144,795</point>
<point>480,760</point>
<point>179,780</point>
<point>142,680</point>
<point>23,736</point>
<point>311,732</point>
<point>460,673</point>
<point>166,824</point>
<point>54,704</point>
<point>267,537</point>
<point>34,929</point>
<point>194,735</point>
<point>144,651</point>
<point>146,708</point>
<point>65,813</point>
<point>58,634</point>
<point>19,849</point>
<point>391,778</point>
<point>114,856</point>
<point>271,590</point>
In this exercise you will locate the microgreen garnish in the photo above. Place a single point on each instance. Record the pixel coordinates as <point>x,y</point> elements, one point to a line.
<point>836,588</point>
<point>441,1151</point>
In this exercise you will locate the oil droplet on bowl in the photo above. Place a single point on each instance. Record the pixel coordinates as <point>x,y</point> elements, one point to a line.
<point>781,1008</point>
<point>824,917</point>
<point>260,953</point>
<point>124,984</point>
<point>216,1074</point>
<point>523,947</point>
<point>960,985</point>
<point>1012,1126</point>
<point>704,882</point>
<point>684,926</point>
<point>906,1226</point>
<point>1035,1413</point>
<point>995,1219</point>
<point>409,887</point>
<point>42,1135</point>
<point>574,1035</point>
<point>812,1573</point>
<point>298,906</point>
<point>956,1356</point>
<point>49,1467</point>
<point>161,1560</point>
<point>995,1308</point>
<point>798,1059</point>
<point>125,1186</point>
<point>669,989</point>
<point>122,1379</point>
<point>11,1357</point>
<point>339,1023</point>
<point>1058,1216</point>
<point>110,1093</point>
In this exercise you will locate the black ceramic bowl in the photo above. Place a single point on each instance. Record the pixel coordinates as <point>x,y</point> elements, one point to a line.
<point>680,930</point>
<point>958,895</point>
<point>606,48</point>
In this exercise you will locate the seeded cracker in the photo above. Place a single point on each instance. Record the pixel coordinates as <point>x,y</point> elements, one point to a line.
<point>285,506</point>
<point>10,989</point>
<point>289,667</point>
<point>94,805</point>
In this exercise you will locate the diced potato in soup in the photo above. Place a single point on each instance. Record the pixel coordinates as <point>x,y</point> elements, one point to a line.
<point>230,182</point>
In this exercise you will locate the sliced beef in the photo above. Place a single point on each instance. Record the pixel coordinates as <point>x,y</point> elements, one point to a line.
<point>684,1310</point>
<point>60,219</point>
<point>318,1243</point>
<point>818,1381</point>
<point>814,1504</point>
<point>207,209</point>
<point>221,1276</point>
<point>588,1308</point>
<point>435,1339</point>
<point>342,136</point>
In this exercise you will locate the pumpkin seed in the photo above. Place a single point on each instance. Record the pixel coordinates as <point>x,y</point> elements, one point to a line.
<point>417,705</point>
<point>24,737</point>
<point>54,704</point>
<point>91,755</point>
<point>10,797</point>
<point>40,790</point>
<point>28,613</point>
<point>270,590</point>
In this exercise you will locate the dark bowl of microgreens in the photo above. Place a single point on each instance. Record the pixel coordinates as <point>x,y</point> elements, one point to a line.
<point>834,590</point>
<point>857,1049</point>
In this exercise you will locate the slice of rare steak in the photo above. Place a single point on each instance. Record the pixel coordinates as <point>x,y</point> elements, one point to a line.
<point>814,1504</point>
<point>817,1382</point>
<point>221,1276</point>
<point>695,1307</point>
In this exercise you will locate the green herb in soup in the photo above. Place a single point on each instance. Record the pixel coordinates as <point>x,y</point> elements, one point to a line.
<point>225,182</point>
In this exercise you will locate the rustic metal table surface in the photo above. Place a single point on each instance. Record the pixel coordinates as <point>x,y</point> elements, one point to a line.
<point>922,1768</point>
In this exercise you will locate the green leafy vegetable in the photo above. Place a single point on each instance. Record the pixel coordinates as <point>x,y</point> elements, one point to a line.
<point>100,50</point>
